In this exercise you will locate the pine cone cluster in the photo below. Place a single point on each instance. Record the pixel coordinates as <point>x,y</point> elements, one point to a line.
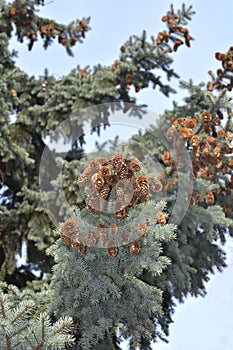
<point>210,147</point>
<point>114,180</point>
<point>110,237</point>
<point>71,235</point>
<point>64,37</point>
<point>224,74</point>
<point>21,16</point>
<point>174,33</point>
<point>25,20</point>
<point>209,151</point>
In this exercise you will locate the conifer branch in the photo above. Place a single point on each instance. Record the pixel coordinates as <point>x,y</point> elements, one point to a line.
<point>119,264</point>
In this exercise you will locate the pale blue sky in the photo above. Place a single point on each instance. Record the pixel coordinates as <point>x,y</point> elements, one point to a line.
<point>202,323</point>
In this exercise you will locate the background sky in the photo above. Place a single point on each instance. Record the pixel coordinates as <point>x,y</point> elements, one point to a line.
<point>199,323</point>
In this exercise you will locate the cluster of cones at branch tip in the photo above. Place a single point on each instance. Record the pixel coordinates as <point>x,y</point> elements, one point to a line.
<point>112,187</point>
<point>23,17</point>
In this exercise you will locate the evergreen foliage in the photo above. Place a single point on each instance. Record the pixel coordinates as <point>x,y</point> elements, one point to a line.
<point>119,264</point>
<point>30,101</point>
<point>24,325</point>
<point>102,256</point>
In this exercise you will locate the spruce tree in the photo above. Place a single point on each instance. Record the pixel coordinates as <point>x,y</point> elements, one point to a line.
<point>39,105</point>
<point>104,250</point>
<point>145,220</point>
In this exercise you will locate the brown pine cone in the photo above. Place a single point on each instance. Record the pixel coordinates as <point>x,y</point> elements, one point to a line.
<point>142,186</point>
<point>119,189</point>
<point>135,247</point>
<point>144,198</point>
<point>134,164</point>
<point>104,171</point>
<point>68,230</point>
<point>195,141</point>
<point>97,181</point>
<point>113,229</point>
<point>167,159</point>
<point>210,200</point>
<point>121,214</point>
<point>228,208</point>
<point>101,233</point>
<point>80,248</point>
<point>90,238</point>
<point>111,179</point>
<point>93,205</point>
<point>185,133</point>
<point>105,191</point>
<point>78,238</point>
<point>94,166</point>
<point>66,240</point>
<point>117,162</point>
<point>161,218</point>
<point>124,172</point>
<point>171,134</point>
<point>119,205</point>
<point>128,198</point>
<point>206,117</point>
<point>178,42</point>
<point>155,185</point>
<point>84,178</point>
<point>112,248</point>
<point>142,229</point>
